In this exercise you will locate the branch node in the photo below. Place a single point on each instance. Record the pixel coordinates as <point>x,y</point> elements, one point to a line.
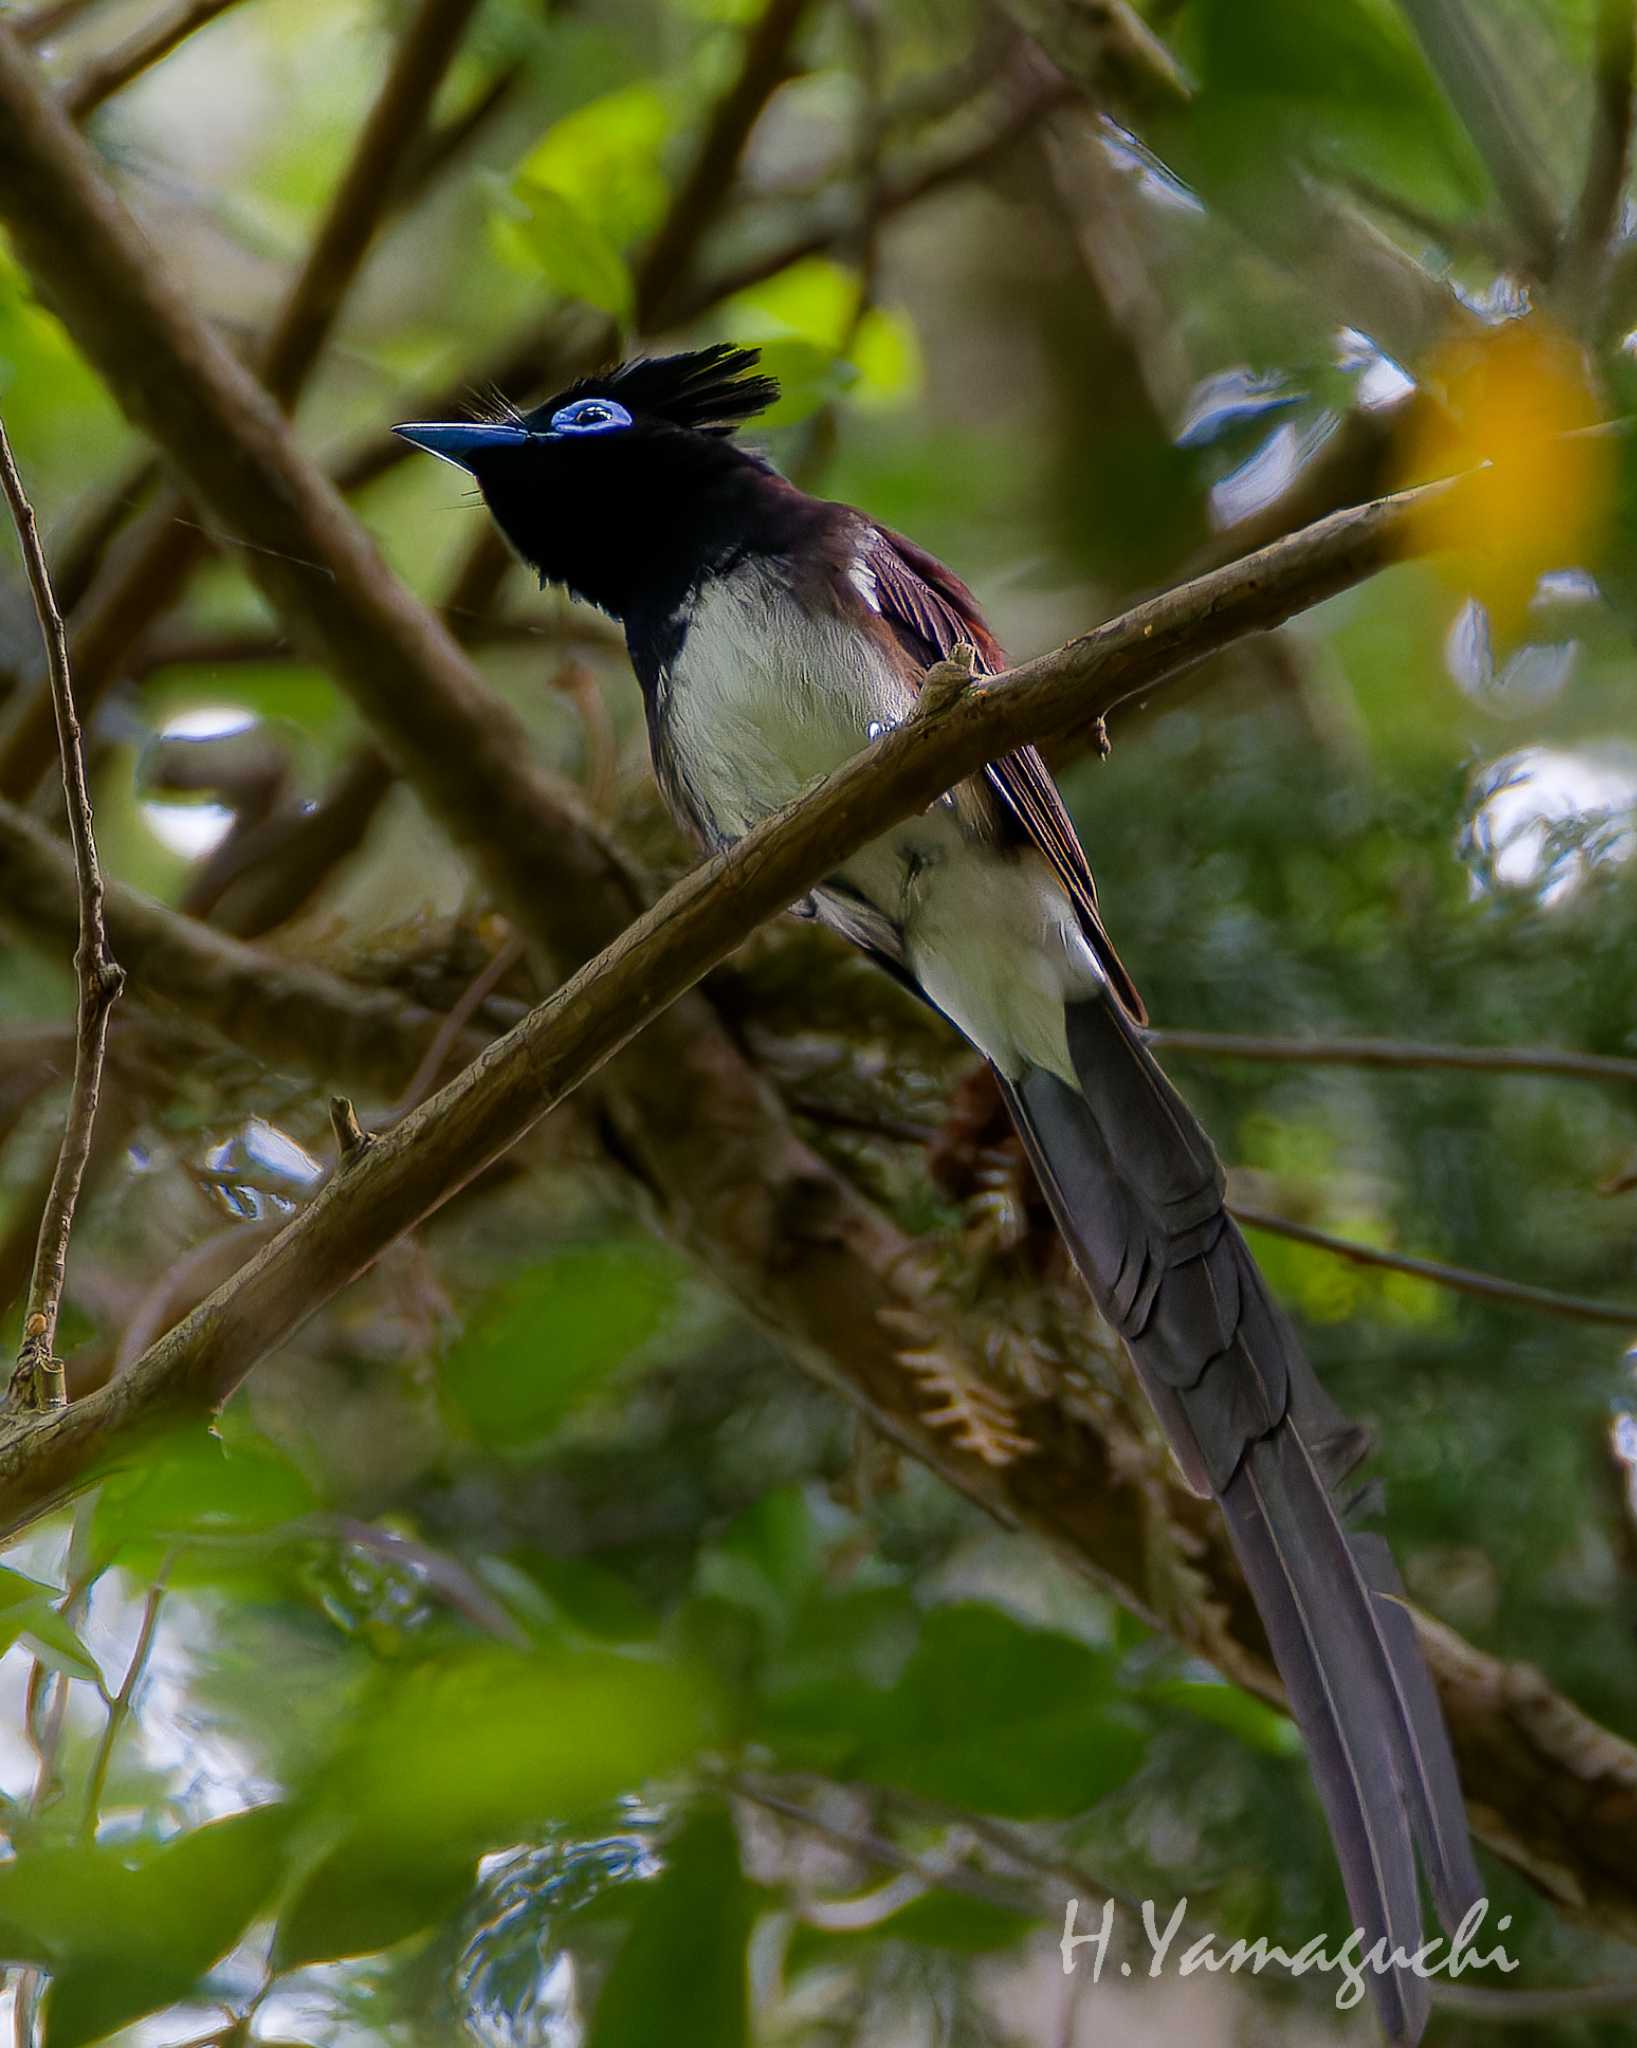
<point>947,681</point>
<point>107,984</point>
<point>352,1140</point>
<point>38,1385</point>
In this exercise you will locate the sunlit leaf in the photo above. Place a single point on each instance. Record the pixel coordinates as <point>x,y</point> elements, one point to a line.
<point>1517,402</point>
<point>554,236</point>
<point>605,158</point>
<point>1231,1707</point>
<point>806,321</point>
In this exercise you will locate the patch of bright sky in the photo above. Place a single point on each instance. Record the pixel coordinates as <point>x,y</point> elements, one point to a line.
<point>1529,678</point>
<point>1543,787</point>
<point>193,829</point>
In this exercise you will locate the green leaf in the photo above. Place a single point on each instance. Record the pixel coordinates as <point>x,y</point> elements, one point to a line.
<point>809,375</point>
<point>127,1930</point>
<point>768,1559</point>
<point>1003,1718</point>
<point>1345,82</point>
<point>553,1336</point>
<point>28,1613</point>
<point>680,1979</point>
<point>553,235</point>
<point>467,1752</point>
<point>57,1645</point>
<point>605,159</point>
<point>1229,1706</point>
<point>193,1483</point>
<point>356,1900</point>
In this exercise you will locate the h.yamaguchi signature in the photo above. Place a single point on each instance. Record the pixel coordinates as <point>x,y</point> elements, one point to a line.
<point>1353,1959</point>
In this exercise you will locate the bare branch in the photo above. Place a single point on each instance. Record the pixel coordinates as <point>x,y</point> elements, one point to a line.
<point>1545,1301</point>
<point>1397,1053</point>
<point>763,68</point>
<point>1584,271</point>
<point>37,1383</point>
<point>167,544</point>
<point>280,1009</point>
<point>435,1150</point>
<point>1480,90</point>
<point>150,45</point>
<point>119,1705</point>
<point>807,1254</point>
<point>396,121</point>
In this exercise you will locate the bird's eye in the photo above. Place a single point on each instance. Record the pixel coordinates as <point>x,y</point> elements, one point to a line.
<point>590,416</point>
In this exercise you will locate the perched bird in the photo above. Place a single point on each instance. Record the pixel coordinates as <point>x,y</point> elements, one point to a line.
<point>774,635</point>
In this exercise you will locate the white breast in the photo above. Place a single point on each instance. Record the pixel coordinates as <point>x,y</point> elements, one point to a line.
<point>765,700</point>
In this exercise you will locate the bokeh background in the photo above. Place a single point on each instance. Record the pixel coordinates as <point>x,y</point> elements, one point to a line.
<point>538,1655</point>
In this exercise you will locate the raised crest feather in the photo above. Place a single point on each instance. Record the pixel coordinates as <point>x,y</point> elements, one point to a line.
<point>709,390</point>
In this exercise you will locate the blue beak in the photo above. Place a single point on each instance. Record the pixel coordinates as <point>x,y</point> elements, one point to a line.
<point>458,442</point>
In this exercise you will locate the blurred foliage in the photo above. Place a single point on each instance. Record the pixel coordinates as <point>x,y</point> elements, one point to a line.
<point>534,1658</point>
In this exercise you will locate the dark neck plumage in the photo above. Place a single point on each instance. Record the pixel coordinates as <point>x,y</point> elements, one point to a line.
<point>640,527</point>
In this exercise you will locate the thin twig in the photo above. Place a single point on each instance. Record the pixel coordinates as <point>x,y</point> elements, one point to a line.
<point>453,1027</point>
<point>41,23</point>
<point>1397,1052</point>
<point>395,122</point>
<point>119,1704</point>
<point>763,67</point>
<point>165,545</point>
<point>151,45</point>
<point>1480,89</point>
<point>1544,1301</point>
<point>886,1854</point>
<point>37,1384</point>
<point>1595,228</point>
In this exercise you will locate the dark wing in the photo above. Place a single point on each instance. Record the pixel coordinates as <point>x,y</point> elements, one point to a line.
<point>929,609</point>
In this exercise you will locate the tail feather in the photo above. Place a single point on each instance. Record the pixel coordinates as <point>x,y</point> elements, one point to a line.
<point>1276,1513</point>
<point>1138,1194</point>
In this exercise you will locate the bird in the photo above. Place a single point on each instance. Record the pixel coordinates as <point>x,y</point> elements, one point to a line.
<point>774,636</point>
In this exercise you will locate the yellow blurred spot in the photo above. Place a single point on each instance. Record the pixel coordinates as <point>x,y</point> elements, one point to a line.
<point>1539,492</point>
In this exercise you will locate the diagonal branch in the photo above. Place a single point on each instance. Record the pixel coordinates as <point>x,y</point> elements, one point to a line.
<point>1546,1301</point>
<point>1479,88</point>
<point>1595,229</point>
<point>801,1249</point>
<point>1396,1053</point>
<point>436,1149</point>
<point>150,45</point>
<point>280,1009</point>
<point>1550,1789</point>
<point>165,547</point>
<point>37,1383</point>
<point>763,68</point>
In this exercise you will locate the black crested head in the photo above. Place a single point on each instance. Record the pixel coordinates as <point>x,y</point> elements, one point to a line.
<point>627,486</point>
<point>703,390</point>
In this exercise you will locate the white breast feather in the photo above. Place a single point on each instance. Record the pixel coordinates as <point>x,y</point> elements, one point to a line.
<point>764,701</point>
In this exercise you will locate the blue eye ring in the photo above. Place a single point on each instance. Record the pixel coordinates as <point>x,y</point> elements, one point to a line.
<point>590,416</point>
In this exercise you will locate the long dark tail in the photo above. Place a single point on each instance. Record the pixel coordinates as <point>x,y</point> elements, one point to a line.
<point>1138,1194</point>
